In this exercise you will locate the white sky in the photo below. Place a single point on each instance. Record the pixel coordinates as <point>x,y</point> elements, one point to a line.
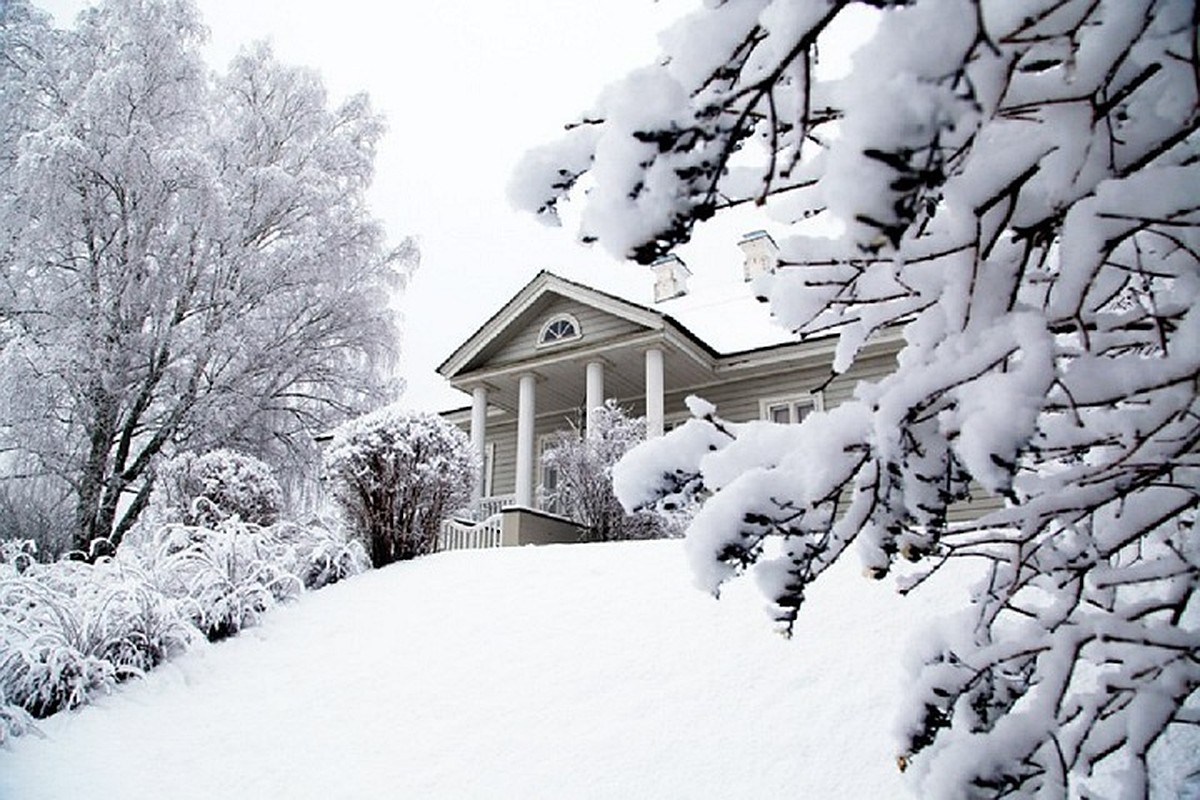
<point>467,86</point>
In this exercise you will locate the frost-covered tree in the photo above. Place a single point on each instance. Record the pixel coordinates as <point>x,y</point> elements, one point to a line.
<point>584,462</point>
<point>396,475</point>
<point>186,258</point>
<point>1017,182</point>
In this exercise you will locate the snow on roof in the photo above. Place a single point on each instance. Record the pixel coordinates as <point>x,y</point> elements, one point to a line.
<point>719,308</point>
<point>729,318</point>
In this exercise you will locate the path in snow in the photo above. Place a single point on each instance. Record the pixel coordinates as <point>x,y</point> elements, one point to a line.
<point>579,671</point>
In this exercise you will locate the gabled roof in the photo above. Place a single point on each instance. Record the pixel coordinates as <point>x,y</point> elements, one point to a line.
<point>545,283</point>
<point>740,338</point>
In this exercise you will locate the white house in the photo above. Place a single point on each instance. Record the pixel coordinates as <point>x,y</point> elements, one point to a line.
<point>559,348</point>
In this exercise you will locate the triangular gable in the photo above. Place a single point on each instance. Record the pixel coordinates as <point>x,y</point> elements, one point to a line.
<point>546,294</point>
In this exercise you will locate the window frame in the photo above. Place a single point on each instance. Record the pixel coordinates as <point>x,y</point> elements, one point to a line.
<point>545,329</point>
<point>543,442</point>
<point>815,401</point>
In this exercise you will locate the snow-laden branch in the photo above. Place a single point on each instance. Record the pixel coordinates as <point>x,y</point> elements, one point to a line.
<point>1017,184</point>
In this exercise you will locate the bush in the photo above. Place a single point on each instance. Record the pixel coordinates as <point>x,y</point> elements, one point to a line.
<point>71,630</point>
<point>206,489</point>
<point>16,556</point>
<point>226,577</point>
<point>395,475</point>
<point>585,493</point>
<point>14,721</point>
<point>321,555</point>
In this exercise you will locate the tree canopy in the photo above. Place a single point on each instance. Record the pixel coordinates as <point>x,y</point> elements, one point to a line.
<point>187,257</point>
<point>1016,184</point>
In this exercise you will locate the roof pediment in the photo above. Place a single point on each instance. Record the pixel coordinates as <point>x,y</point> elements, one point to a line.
<point>511,334</point>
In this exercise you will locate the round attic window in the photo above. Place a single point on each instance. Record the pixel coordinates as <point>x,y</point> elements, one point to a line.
<point>559,328</point>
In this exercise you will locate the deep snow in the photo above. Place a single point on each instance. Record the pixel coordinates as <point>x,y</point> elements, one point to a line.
<point>575,671</point>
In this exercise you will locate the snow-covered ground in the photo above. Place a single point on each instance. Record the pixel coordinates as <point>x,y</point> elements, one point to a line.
<point>579,671</point>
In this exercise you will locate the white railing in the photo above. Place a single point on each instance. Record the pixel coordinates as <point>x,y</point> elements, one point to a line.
<point>463,535</point>
<point>487,507</point>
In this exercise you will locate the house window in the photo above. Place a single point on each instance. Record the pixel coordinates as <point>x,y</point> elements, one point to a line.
<point>489,467</point>
<point>548,499</point>
<point>790,410</point>
<point>559,328</point>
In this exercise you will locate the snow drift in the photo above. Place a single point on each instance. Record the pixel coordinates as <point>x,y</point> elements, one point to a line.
<point>581,671</point>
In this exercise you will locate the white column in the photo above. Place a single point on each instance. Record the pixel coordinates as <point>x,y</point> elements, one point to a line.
<point>654,393</point>
<point>526,411</point>
<point>479,434</point>
<point>595,392</point>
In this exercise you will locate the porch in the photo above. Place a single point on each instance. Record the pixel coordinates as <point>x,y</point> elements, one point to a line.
<point>543,365</point>
<point>498,521</point>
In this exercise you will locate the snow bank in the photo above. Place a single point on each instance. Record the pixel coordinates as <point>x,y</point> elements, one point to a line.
<point>582,671</point>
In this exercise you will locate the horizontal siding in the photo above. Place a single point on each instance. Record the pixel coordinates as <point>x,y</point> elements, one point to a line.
<point>980,503</point>
<point>504,480</point>
<point>596,326</point>
<point>736,400</point>
<point>871,369</point>
<point>504,436</point>
<point>741,400</point>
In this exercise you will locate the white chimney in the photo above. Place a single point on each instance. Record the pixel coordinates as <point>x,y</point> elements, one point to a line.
<point>670,278</point>
<point>762,254</point>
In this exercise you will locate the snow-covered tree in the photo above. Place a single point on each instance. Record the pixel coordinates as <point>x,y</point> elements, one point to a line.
<point>584,462</point>
<point>1017,184</point>
<point>187,258</point>
<point>396,475</point>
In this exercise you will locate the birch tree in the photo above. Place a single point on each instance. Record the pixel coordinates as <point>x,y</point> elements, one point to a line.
<point>187,257</point>
<point>1016,185</point>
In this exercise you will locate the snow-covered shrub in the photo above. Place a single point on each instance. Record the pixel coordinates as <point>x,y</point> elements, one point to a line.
<point>319,554</point>
<point>73,629</point>
<point>14,721</point>
<point>1014,187</point>
<point>205,489</point>
<point>16,556</point>
<point>583,462</point>
<point>226,577</point>
<point>70,630</point>
<point>396,475</point>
